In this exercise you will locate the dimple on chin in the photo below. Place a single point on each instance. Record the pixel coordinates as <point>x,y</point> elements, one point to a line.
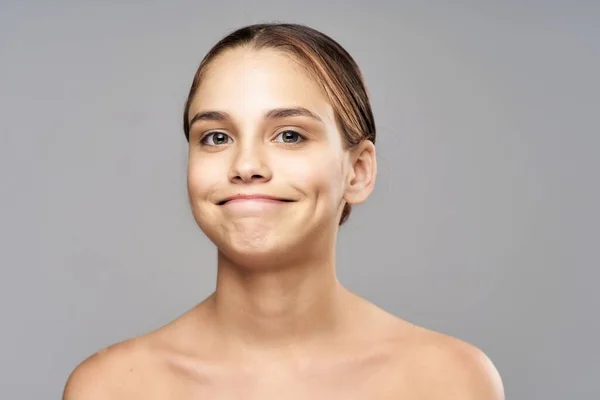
<point>257,241</point>
<point>251,233</point>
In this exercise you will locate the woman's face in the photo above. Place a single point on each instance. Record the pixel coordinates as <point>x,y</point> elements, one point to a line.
<point>260,126</point>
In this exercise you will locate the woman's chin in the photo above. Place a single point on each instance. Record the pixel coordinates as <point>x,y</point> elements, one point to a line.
<point>268,244</point>
<point>260,254</point>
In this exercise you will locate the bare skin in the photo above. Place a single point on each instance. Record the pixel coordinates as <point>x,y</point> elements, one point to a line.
<point>377,356</point>
<point>279,325</point>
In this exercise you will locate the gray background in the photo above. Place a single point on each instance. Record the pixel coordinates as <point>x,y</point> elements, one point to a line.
<point>483,225</point>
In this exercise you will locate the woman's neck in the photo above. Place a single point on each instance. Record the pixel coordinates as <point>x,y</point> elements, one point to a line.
<point>282,308</point>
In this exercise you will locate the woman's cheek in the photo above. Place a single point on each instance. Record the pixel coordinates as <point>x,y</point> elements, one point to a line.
<point>203,174</point>
<point>317,176</point>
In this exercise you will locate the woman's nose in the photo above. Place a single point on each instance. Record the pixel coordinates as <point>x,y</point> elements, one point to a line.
<point>249,165</point>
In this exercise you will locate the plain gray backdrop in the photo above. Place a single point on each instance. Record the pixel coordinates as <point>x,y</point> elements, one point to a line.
<point>484,221</point>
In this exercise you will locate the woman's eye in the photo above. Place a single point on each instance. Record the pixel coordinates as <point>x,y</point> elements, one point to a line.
<point>289,137</point>
<point>216,139</point>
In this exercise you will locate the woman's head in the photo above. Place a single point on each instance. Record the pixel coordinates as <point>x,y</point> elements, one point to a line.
<point>281,110</point>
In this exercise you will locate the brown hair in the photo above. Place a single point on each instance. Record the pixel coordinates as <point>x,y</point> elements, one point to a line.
<point>324,59</point>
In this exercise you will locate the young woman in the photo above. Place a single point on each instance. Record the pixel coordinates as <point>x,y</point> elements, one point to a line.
<point>281,144</point>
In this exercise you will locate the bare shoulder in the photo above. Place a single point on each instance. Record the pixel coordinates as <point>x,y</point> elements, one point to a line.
<point>110,374</point>
<point>446,367</point>
<point>137,368</point>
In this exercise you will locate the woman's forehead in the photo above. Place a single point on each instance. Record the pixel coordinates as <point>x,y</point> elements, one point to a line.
<point>245,79</point>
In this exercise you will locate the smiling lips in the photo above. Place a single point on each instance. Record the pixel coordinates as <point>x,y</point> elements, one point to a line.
<point>253,197</point>
<point>250,203</point>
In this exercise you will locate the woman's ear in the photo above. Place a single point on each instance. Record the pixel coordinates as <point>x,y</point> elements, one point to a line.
<point>362,174</point>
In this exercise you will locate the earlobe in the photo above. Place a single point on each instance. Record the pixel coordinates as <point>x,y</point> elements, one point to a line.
<point>363,173</point>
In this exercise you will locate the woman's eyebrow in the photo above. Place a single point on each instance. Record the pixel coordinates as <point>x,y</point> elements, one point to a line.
<point>291,112</point>
<point>210,116</point>
<point>276,113</point>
